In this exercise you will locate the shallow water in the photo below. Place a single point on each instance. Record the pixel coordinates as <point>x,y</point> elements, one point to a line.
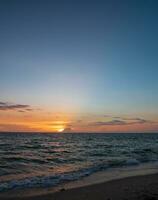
<point>46,160</point>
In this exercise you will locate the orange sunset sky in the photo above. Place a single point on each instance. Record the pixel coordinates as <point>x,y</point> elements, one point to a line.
<point>18,117</point>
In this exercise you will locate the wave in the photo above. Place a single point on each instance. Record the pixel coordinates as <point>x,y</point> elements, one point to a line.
<point>68,157</point>
<point>54,180</point>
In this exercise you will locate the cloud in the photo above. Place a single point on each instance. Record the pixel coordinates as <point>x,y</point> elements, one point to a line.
<point>142,121</point>
<point>2,103</point>
<point>68,129</point>
<point>115,122</point>
<point>129,119</point>
<point>112,122</point>
<point>79,121</point>
<point>29,109</point>
<point>5,106</point>
<point>21,111</point>
<point>136,120</point>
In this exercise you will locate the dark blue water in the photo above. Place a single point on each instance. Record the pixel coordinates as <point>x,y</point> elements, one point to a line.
<point>46,160</point>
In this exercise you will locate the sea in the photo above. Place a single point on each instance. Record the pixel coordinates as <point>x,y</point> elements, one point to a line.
<point>42,160</point>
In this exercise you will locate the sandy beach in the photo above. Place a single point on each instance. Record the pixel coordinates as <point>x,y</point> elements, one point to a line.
<point>144,187</point>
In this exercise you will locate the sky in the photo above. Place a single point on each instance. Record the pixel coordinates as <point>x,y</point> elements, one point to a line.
<point>79,66</point>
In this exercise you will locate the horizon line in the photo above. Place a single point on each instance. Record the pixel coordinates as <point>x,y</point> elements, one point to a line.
<point>48,132</point>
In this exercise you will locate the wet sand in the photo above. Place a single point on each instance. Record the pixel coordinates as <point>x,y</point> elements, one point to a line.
<point>144,187</point>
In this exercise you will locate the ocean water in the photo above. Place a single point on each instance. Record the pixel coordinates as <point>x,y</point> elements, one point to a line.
<point>34,160</point>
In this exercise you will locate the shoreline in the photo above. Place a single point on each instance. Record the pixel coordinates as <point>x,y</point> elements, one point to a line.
<point>110,176</point>
<point>143,187</point>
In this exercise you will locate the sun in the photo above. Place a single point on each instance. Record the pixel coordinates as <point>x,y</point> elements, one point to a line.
<point>61,130</point>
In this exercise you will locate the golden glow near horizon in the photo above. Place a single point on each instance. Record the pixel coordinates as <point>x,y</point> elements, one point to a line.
<point>61,130</point>
<point>42,121</point>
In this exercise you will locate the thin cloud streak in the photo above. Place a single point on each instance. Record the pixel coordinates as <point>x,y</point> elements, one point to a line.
<point>5,106</point>
<point>121,122</point>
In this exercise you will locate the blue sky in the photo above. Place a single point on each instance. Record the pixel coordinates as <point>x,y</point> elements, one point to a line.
<point>80,56</point>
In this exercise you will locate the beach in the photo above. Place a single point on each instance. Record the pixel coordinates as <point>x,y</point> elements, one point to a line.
<point>78,166</point>
<point>143,187</point>
<point>128,183</point>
